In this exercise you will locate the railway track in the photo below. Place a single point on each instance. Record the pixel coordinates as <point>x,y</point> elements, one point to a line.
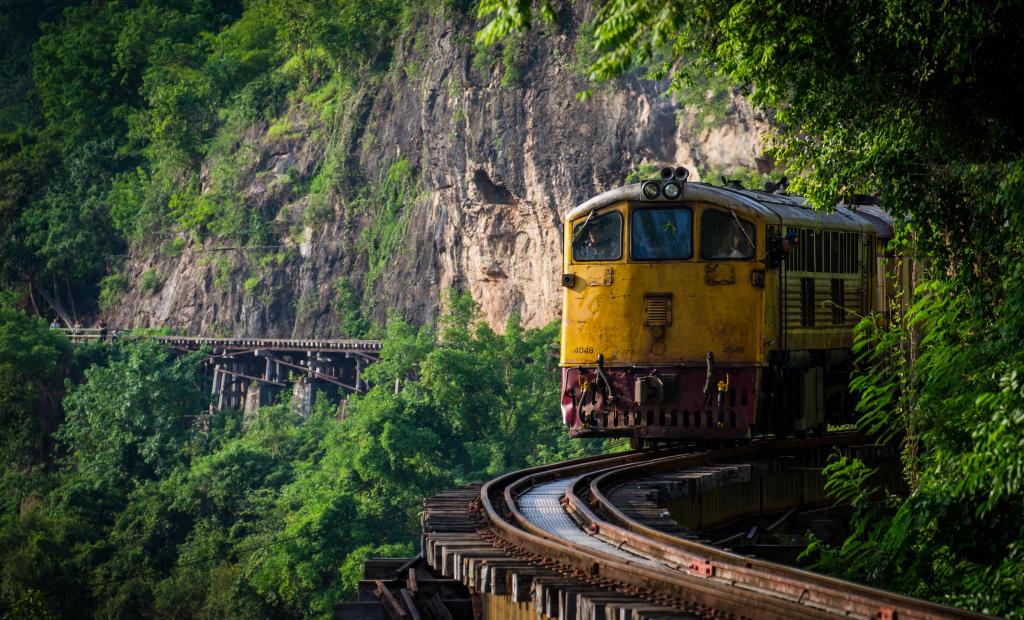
<point>553,542</point>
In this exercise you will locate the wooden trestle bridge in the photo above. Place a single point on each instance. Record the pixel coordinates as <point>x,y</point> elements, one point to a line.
<point>251,372</point>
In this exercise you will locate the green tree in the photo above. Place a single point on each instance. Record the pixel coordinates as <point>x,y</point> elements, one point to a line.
<point>130,420</point>
<point>148,513</point>
<point>71,65</point>
<point>20,24</point>
<point>33,363</point>
<point>68,229</point>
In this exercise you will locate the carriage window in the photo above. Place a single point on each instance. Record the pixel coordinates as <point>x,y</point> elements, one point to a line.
<point>661,234</point>
<point>721,236</point>
<point>598,238</point>
<point>826,251</point>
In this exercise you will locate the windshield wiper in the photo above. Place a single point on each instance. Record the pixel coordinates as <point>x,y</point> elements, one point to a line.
<point>742,230</point>
<point>579,230</point>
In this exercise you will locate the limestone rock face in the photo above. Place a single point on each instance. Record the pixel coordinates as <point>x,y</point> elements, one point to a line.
<point>500,152</point>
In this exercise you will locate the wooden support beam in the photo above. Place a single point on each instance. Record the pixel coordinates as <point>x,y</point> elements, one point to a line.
<point>268,371</point>
<point>389,601</point>
<point>410,605</point>
<point>369,357</point>
<point>439,609</point>
<point>242,375</point>
<point>318,375</point>
<point>222,378</point>
<point>213,387</point>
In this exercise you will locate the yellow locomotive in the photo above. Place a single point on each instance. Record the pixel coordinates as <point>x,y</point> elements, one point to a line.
<point>692,311</point>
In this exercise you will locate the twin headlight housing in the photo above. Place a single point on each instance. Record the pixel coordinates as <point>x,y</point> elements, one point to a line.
<point>671,185</point>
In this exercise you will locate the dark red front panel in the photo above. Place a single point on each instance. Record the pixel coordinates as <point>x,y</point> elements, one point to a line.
<point>675,408</point>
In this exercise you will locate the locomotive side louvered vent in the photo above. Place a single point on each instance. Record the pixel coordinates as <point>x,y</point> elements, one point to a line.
<point>657,309</point>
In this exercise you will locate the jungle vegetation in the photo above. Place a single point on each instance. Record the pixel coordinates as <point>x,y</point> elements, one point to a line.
<point>119,497</point>
<point>916,102</point>
<point>136,502</point>
<point>110,110</point>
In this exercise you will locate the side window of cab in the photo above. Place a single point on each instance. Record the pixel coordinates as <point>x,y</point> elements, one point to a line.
<point>598,238</point>
<point>724,236</point>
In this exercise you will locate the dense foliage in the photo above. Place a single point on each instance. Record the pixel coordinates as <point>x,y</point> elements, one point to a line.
<point>32,368</point>
<point>110,110</point>
<point>149,506</point>
<point>123,127</point>
<point>915,102</point>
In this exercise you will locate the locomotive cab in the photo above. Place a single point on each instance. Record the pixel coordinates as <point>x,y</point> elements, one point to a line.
<point>662,317</point>
<point>681,318</point>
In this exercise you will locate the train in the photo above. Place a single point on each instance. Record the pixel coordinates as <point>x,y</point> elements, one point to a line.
<point>694,311</point>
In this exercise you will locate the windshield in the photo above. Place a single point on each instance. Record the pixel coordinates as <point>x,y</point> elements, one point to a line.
<point>723,238</point>
<point>661,234</point>
<point>598,238</point>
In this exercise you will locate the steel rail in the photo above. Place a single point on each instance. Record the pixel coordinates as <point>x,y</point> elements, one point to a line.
<point>693,575</point>
<point>786,581</point>
<point>665,585</point>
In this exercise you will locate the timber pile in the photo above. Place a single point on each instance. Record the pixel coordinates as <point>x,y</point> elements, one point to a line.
<point>405,588</point>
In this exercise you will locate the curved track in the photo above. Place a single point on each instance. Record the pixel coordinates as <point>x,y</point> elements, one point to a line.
<point>562,513</point>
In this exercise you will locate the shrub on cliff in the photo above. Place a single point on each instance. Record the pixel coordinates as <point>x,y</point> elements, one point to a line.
<point>108,110</point>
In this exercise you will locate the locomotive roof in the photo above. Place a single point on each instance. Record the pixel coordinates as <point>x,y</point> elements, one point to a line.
<point>791,211</point>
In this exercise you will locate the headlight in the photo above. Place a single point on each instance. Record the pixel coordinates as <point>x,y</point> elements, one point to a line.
<point>650,190</point>
<point>672,190</point>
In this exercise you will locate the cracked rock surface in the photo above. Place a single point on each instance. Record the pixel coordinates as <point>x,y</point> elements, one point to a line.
<point>499,162</point>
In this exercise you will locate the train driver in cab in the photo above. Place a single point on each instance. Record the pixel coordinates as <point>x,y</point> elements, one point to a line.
<point>598,238</point>
<point>724,237</point>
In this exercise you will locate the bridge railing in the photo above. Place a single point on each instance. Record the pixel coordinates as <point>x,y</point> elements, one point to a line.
<point>252,370</point>
<point>83,334</point>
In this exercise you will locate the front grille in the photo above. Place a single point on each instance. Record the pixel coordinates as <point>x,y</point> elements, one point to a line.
<point>657,309</point>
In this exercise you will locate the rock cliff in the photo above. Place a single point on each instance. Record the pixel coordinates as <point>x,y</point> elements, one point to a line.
<point>494,147</point>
